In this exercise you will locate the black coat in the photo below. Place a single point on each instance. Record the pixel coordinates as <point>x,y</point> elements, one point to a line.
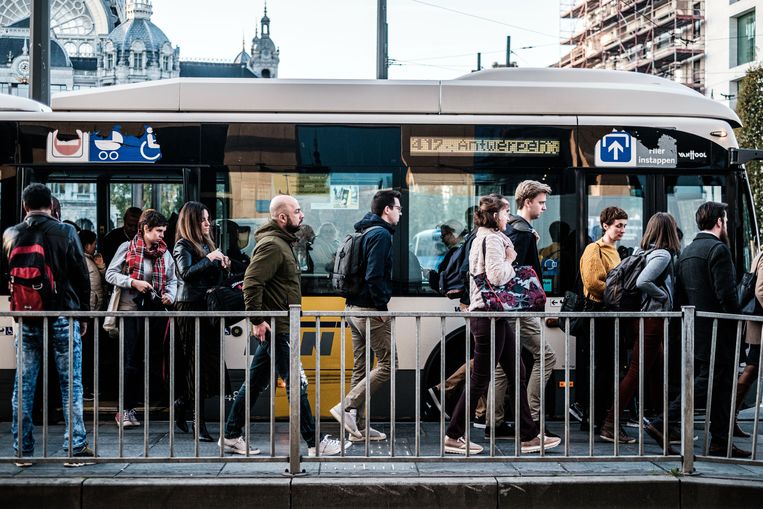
<point>376,250</point>
<point>521,233</point>
<point>706,279</point>
<point>196,274</point>
<point>64,255</point>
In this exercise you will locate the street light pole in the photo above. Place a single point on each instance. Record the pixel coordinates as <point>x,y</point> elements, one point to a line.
<point>381,40</point>
<point>39,74</point>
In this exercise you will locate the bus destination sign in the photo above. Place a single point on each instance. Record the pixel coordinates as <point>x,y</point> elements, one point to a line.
<point>463,146</point>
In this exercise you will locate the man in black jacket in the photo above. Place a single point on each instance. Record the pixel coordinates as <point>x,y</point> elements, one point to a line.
<point>530,197</point>
<point>64,256</point>
<point>376,251</point>
<point>706,279</point>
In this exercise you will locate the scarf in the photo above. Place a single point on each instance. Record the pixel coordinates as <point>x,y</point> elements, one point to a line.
<point>136,251</point>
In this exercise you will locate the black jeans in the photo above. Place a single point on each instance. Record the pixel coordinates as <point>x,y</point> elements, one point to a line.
<point>259,375</point>
<point>480,379</point>
<point>723,380</point>
<point>133,359</point>
<point>603,369</point>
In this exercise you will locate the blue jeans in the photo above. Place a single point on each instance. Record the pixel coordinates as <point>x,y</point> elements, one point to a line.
<point>32,362</point>
<point>259,374</point>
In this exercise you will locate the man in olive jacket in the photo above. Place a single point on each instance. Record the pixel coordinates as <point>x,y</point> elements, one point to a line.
<point>272,283</point>
<point>706,279</point>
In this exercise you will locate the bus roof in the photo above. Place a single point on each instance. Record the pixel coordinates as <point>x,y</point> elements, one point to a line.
<point>507,91</point>
<point>15,103</point>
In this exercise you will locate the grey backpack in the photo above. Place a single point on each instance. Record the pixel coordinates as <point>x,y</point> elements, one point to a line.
<point>349,264</point>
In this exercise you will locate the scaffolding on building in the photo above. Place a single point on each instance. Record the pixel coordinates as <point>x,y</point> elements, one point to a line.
<point>661,37</point>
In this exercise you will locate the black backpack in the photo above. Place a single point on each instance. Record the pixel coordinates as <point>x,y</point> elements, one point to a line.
<point>620,291</point>
<point>453,280</point>
<point>32,284</point>
<point>349,264</point>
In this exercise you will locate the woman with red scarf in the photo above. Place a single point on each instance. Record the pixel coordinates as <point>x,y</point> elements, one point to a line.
<point>145,271</point>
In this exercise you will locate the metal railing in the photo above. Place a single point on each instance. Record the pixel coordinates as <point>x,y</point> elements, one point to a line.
<point>427,446</point>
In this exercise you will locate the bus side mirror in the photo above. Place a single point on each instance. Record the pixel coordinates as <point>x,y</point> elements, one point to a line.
<point>739,156</point>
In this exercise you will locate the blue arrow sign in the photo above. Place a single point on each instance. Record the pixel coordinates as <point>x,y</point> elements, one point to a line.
<point>616,147</point>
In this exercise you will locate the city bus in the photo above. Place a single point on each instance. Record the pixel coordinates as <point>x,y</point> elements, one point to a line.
<point>598,138</point>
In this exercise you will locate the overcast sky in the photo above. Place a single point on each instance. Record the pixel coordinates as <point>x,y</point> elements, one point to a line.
<point>429,39</point>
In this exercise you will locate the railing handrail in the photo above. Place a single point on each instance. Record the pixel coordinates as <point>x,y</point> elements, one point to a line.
<point>296,314</point>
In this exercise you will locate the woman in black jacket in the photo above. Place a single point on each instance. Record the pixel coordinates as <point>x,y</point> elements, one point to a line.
<point>200,266</point>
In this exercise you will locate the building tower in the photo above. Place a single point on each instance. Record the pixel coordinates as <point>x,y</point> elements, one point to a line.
<point>264,61</point>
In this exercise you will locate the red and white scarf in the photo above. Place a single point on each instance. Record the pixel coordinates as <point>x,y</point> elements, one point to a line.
<point>136,251</point>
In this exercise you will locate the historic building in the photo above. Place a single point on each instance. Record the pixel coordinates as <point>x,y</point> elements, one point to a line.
<point>97,43</point>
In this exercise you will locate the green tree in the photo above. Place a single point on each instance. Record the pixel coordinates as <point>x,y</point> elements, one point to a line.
<point>750,135</point>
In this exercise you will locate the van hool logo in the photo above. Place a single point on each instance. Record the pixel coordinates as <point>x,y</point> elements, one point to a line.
<point>692,155</point>
<point>113,147</point>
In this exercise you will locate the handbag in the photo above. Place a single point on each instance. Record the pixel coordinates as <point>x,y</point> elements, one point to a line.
<point>523,292</point>
<point>110,322</point>
<point>748,302</point>
<point>573,302</point>
<point>229,297</point>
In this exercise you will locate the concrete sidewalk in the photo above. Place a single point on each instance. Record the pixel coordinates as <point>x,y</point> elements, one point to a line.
<point>355,482</point>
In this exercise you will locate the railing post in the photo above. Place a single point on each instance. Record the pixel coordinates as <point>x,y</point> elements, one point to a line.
<point>295,379</point>
<point>687,389</point>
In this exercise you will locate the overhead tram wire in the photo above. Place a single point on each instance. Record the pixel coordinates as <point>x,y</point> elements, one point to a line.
<point>555,36</point>
<point>471,54</point>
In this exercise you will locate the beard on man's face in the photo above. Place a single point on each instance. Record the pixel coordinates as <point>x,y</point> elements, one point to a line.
<point>290,226</point>
<point>724,236</point>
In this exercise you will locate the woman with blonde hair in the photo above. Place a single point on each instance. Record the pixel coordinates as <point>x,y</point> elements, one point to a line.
<point>492,254</point>
<point>661,244</point>
<point>200,266</point>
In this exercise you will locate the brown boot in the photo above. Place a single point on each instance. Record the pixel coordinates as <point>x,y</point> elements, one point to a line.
<point>746,380</point>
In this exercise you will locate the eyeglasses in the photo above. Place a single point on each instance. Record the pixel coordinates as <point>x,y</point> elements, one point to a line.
<point>398,207</point>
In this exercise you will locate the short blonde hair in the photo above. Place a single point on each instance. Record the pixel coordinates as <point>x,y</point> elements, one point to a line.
<point>528,190</point>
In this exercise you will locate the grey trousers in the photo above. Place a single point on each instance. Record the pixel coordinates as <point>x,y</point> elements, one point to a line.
<point>380,341</point>
<point>529,334</point>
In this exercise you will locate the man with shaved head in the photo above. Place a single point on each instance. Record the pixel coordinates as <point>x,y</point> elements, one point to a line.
<point>272,283</point>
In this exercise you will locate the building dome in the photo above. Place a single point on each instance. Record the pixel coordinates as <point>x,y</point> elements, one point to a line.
<point>242,58</point>
<point>138,28</point>
<point>137,50</point>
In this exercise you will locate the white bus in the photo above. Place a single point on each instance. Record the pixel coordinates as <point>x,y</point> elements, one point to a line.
<point>598,138</point>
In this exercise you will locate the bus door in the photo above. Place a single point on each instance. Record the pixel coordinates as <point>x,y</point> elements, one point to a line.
<point>685,193</point>
<point>96,199</point>
<point>630,191</point>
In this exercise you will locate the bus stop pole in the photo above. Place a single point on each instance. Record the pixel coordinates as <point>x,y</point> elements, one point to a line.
<point>295,379</point>
<point>687,390</point>
<point>39,76</point>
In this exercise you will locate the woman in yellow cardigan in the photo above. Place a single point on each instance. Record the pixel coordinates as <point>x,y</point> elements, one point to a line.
<point>598,259</point>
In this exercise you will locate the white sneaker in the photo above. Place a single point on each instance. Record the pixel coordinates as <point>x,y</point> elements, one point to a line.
<point>373,435</point>
<point>328,447</point>
<point>454,446</point>
<point>126,419</point>
<point>534,445</point>
<point>349,420</point>
<point>236,446</point>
